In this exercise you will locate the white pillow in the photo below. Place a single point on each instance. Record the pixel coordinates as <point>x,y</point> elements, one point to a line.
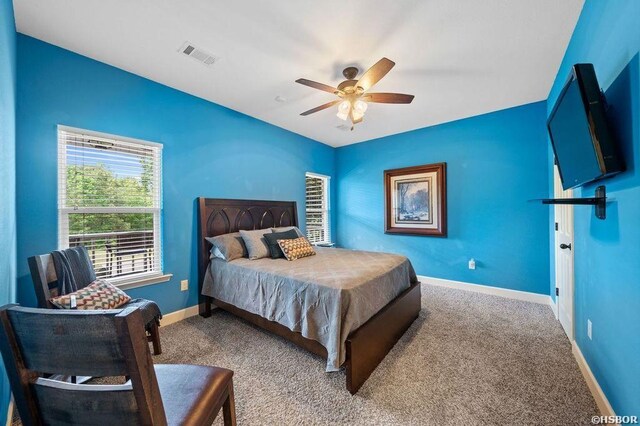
<point>215,252</point>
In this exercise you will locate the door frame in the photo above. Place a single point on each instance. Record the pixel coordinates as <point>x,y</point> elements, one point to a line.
<point>560,193</point>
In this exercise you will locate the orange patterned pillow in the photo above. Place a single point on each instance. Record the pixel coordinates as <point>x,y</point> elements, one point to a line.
<point>296,249</point>
<point>97,295</point>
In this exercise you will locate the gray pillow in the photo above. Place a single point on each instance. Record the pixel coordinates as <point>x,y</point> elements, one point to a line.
<point>230,246</point>
<point>255,243</point>
<point>288,228</point>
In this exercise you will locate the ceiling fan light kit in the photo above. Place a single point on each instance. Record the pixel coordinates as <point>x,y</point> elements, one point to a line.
<point>353,97</point>
<point>343,110</point>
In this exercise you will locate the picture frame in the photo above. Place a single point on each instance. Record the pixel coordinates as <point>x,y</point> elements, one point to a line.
<point>416,200</point>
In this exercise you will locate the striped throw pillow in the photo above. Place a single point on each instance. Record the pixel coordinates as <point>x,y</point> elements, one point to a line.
<point>97,295</point>
<point>296,248</point>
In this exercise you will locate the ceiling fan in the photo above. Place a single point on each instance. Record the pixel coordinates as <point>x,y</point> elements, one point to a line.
<point>353,96</point>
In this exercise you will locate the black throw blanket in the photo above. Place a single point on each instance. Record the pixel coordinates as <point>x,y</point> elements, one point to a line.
<point>150,311</point>
<point>73,268</point>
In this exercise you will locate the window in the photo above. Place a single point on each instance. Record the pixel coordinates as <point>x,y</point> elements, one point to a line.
<point>317,209</point>
<point>109,200</point>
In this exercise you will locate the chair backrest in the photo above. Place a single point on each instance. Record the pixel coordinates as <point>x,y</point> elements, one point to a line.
<point>42,342</point>
<point>45,280</point>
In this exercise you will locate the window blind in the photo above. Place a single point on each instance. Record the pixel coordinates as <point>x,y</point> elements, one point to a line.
<point>110,201</point>
<point>317,208</point>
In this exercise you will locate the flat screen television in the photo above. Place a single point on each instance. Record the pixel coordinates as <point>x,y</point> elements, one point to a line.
<point>583,144</point>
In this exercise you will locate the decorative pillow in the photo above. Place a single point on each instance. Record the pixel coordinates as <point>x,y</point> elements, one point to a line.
<point>256,244</point>
<point>230,246</point>
<point>97,295</point>
<point>288,228</point>
<point>296,249</point>
<point>272,241</point>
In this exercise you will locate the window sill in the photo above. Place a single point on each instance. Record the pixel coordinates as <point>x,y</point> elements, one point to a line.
<point>140,281</point>
<point>325,244</point>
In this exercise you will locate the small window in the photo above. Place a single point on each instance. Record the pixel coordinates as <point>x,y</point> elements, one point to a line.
<point>109,200</point>
<point>317,209</point>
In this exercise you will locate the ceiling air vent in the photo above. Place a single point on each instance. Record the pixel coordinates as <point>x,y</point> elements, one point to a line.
<point>198,54</point>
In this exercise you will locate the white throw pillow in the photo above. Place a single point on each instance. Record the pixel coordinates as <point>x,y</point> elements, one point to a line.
<point>286,228</point>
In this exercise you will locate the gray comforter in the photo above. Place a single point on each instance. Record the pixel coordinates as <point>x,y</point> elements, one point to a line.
<point>324,297</point>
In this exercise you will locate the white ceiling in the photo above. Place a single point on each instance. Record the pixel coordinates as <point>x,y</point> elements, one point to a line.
<point>459,58</point>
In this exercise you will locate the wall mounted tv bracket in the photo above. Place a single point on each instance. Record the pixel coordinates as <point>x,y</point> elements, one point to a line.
<point>599,200</point>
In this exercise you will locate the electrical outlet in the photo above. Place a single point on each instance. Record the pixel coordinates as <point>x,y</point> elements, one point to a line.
<point>589,328</point>
<point>472,264</point>
<point>184,285</point>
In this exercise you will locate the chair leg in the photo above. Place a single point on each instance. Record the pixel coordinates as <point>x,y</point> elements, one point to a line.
<point>229,407</point>
<point>154,335</point>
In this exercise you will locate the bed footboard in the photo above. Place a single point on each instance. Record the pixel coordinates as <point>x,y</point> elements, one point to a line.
<point>369,344</point>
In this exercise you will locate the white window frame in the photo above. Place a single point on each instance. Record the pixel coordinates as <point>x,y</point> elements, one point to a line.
<point>326,208</point>
<point>125,282</point>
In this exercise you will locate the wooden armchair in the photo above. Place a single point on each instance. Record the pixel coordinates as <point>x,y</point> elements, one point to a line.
<point>39,342</point>
<point>45,284</point>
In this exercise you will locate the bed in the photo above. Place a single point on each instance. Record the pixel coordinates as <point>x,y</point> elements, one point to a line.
<point>351,316</point>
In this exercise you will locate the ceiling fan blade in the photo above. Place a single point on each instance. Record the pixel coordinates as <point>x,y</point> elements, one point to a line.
<point>375,73</point>
<point>388,98</point>
<point>319,86</point>
<point>321,107</point>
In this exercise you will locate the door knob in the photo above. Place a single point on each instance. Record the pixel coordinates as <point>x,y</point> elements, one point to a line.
<point>564,246</point>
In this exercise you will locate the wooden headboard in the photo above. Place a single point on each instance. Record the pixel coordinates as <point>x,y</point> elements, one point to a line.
<point>218,216</point>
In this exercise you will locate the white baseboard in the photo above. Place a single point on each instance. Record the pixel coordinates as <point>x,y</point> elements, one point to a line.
<point>526,296</point>
<point>176,316</point>
<point>599,396</point>
<point>10,411</point>
<point>554,306</point>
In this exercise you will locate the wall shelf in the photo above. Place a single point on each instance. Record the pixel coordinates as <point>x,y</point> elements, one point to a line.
<point>599,200</point>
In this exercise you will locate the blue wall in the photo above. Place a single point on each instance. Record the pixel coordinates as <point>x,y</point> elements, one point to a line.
<point>607,253</point>
<point>7,173</point>
<point>495,163</point>
<point>208,151</point>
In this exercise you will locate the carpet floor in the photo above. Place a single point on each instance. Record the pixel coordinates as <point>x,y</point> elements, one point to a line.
<point>469,359</point>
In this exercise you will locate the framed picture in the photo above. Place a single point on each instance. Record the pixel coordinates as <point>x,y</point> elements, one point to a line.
<point>416,200</point>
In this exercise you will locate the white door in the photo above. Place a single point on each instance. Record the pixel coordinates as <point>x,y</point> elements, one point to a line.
<point>564,256</point>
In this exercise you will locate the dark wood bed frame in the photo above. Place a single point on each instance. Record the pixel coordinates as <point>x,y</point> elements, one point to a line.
<point>366,346</point>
